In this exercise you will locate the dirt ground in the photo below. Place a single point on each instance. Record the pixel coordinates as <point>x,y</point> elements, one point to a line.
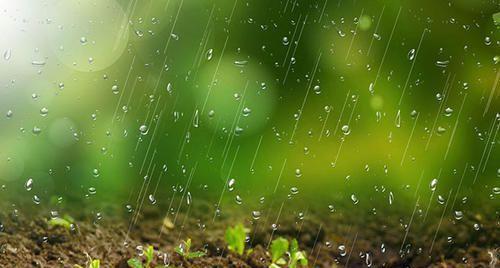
<point>330,239</point>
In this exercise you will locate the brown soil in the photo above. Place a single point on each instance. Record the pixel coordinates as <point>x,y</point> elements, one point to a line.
<point>28,241</point>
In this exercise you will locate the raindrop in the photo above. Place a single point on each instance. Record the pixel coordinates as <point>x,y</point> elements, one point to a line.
<point>209,54</point>
<point>44,111</point>
<point>298,173</point>
<point>169,88</point>
<point>230,184</point>
<point>36,130</point>
<point>398,119</point>
<point>317,89</point>
<point>246,111</point>
<point>29,184</point>
<point>342,250</point>
<point>152,199</point>
<point>115,89</point>
<point>7,54</point>
<point>256,214</point>
<point>433,184</point>
<point>458,214</point>
<point>448,111</point>
<point>9,114</point>
<point>440,199</point>
<point>354,199</point>
<point>143,129</point>
<point>346,130</point>
<point>92,190</point>
<point>411,54</point>
<point>285,41</point>
<point>442,63</point>
<point>238,200</point>
<point>36,199</point>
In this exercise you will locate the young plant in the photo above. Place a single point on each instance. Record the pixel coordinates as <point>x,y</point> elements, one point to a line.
<point>92,264</point>
<point>235,238</point>
<point>279,249</point>
<point>184,249</point>
<point>148,253</point>
<point>297,257</point>
<point>65,222</point>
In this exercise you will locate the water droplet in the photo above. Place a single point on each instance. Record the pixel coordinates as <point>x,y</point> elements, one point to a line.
<point>342,250</point>
<point>442,63</point>
<point>411,54</point>
<point>44,111</point>
<point>317,89</point>
<point>36,130</point>
<point>458,214</point>
<point>92,190</point>
<point>298,173</point>
<point>441,199</point>
<point>246,111</point>
<point>354,199</point>
<point>152,199</point>
<point>169,88</point>
<point>36,199</point>
<point>7,54</point>
<point>209,54</point>
<point>256,214</point>
<point>230,184</point>
<point>29,184</point>
<point>143,129</point>
<point>285,41</point>
<point>448,111</point>
<point>346,130</point>
<point>433,184</point>
<point>115,89</point>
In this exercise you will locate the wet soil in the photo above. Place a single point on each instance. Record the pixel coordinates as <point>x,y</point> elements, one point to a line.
<point>329,239</point>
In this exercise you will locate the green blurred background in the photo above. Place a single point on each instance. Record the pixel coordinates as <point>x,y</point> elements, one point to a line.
<point>328,101</point>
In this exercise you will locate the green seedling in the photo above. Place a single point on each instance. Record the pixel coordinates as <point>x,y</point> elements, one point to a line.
<point>279,249</point>
<point>496,19</point>
<point>297,257</point>
<point>184,249</point>
<point>235,239</point>
<point>148,254</point>
<point>66,221</point>
<point>92,264</point>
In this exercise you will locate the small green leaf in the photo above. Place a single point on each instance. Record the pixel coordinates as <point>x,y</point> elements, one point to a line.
<point>149,252</point>
<point>235,238</point>
<point>134,263</point>
<point>281,261</point>
<point>294,246</point>
<point>59,222</point>
<point>95,264</point>
<point>273,265</point>
<point>179,250</point>
<point>496,18</point>
<point>195,254</point>
<point>279,247</point>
